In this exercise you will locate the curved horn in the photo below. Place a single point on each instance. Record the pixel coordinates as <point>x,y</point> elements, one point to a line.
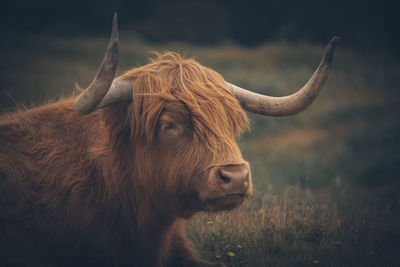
<point>120,91</point>
<point>91,97</point>
<point>292,104</point>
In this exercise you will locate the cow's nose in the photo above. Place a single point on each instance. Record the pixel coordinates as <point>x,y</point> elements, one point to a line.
<point>234,179</point>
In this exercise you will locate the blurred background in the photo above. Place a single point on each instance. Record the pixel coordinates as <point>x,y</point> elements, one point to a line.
<point>338,160</point>
<point>365,23</point>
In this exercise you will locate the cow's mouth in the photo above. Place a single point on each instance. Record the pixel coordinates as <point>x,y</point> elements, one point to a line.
<point>226,202</point>
<point>233,196</point>
<point>228,197</point>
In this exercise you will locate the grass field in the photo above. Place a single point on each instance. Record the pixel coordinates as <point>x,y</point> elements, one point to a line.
<point>326,180</point>
<point>294,228</point>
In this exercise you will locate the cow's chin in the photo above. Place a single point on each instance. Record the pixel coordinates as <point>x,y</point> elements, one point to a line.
<point>226,202</point>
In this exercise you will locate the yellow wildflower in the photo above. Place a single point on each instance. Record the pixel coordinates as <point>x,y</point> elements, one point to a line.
<point>218,256</point>
<point>304,219</point>
<point>230,254</point>
<point>316,261</point>
<point>210,222</point>
<point>240,246</point>
<point>261,211</point>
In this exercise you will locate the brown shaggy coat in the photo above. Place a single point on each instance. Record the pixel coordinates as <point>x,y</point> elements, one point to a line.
<point>111,188</point>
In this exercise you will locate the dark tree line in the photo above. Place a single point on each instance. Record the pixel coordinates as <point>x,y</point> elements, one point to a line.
<point>373,23</point>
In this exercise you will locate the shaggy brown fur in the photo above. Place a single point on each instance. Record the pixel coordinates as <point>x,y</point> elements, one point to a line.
<point>113,187</point>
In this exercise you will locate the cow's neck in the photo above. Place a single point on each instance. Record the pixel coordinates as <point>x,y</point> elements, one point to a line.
<point>147,226</point>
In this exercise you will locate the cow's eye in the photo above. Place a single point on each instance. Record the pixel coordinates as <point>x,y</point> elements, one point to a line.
<point>167,126</point>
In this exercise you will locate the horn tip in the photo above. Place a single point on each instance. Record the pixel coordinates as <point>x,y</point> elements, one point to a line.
<point>114,30</point>
<point>327,59</point>
<point>334,41</point>
<point>115,19</point>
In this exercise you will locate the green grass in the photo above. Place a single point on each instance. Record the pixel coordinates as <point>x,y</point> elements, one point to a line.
<point>326,180</point>
<point>302,227</point>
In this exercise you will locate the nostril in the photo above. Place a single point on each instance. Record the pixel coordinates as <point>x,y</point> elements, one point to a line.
<point>224,178</point>
<point>239,176</point>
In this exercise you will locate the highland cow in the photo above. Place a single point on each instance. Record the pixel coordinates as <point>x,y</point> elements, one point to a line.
<point>109,177</point>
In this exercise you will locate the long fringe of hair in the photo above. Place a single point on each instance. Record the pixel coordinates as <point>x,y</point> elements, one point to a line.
<point>216,114</point>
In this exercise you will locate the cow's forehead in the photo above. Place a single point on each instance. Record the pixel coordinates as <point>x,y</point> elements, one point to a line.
<point>177,110</point>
